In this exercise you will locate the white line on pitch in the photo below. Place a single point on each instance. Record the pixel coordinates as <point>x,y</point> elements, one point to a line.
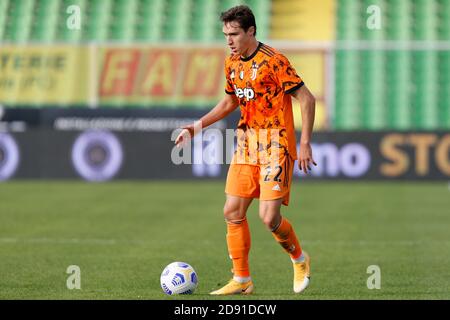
<point>94,241</point>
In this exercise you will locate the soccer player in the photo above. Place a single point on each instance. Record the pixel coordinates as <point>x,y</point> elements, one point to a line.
<point>260,80</point>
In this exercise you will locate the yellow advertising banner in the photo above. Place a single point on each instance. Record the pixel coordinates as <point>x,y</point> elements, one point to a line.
<point>43,75</point>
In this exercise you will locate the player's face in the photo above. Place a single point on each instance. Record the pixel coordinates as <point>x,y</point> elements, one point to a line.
<point>237,39</point>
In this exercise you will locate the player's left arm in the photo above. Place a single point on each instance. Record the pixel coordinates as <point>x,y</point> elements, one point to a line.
<point>308,108</point>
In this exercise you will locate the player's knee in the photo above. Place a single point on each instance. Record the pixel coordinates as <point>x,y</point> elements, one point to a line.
<point>270,222</point>
<point>231,213</point>
<point>270,219</point>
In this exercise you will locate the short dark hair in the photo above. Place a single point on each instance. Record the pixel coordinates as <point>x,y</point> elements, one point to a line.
<point>241,14</point>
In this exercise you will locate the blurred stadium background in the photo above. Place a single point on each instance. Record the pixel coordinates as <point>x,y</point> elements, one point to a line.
<point>91,90</point>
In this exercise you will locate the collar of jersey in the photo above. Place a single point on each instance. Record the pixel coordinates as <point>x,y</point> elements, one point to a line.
<point>250,57</point>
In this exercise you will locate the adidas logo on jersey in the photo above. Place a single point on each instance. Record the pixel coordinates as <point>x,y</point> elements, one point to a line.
<point>248,93</point>
<point>276,188</point>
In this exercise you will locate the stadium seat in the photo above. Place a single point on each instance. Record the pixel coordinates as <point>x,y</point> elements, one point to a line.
<point>123,20</point>
<point>444,20</point>
<point>425,80</point>
<point>3,16</point>
<point>19,20</point>
<point>399,20</point>
<point>177,18</point>
<point>398,89</point>
<point>45,21</point>
<point>348,19</point>
<point>444,65</point>
<point>425,20</point>
<point>204,20</point>
<point>97,20</point>
<point>444,103</point>
<point>348,113</point>
<point>150,20</point>
<point>373,77</point>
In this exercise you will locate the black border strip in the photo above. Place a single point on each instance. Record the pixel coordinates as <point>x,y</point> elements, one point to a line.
<point>298,86</point>
<point>250,57</point>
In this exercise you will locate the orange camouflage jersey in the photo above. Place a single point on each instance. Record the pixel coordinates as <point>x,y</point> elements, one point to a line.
<point>263,83</point>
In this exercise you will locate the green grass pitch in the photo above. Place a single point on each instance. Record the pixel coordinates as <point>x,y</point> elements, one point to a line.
<point>122,234</point>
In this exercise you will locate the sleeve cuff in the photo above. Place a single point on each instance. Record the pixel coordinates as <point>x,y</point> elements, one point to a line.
<point>229,92</point>
<point>298,86</point>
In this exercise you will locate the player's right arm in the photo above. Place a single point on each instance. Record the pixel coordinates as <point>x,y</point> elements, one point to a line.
<point>228,104</point>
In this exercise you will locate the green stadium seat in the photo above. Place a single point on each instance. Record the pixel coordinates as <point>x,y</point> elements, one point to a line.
<point>348,19</point>
<point>398,89</point>
<point>19,20</point>
<point>348,114</point>
<point>204,20</point>
<point>3,16</point>
<point>176,24</point>
<point>149,31</point>
<point>444,108</point>
<point>425,80</point>
<point>372,67</point>
<point>97,20</point>
<point>444,90</point>
<point>123,20</point>
<point>399,20</point>
<point>444,20</point>
<point>444,66</point>
<point>45,20</point>
<point>426,20</point>
<point>150,20</point>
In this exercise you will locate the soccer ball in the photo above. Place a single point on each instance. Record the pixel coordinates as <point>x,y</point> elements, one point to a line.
<point>178,278</point>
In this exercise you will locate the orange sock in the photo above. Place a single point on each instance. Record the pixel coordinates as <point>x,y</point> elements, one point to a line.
<point>238,241</point>
<point>285,236</point>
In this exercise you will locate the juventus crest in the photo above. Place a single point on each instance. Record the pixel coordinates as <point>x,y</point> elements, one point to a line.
<point>254,70</point>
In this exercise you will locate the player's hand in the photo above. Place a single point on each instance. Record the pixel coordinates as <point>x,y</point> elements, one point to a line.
<point>305,159</point>
<point>185,135</point>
